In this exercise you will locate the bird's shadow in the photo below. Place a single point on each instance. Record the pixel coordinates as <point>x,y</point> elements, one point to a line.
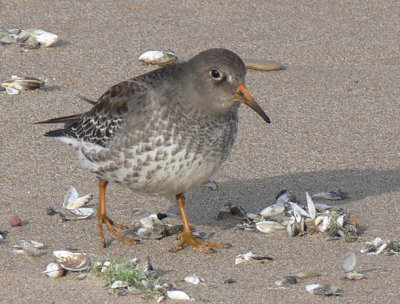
<point>253,195</point>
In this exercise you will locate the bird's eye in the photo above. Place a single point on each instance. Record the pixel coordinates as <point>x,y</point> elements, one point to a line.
<point>216,74</point>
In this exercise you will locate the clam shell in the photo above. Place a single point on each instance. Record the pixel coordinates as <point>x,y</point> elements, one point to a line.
<point>354,276</point>
<point>330,195</point>
<point>72,261</point>
<point>298,212</point>
<point>306,275</point>
<point>284,197</point>
<point>73,201</point>
<point>193,279</point>
<point>322,207</point>
<point>177,295</point>
<point>381,249</point>
<point>310,206</point>
<point>45,39</point>
<point>54,270</point>
<point>272,210</point>
<point>349,262</point>
<point>269,226</point>
<point>158,57</point>
<point>367,248</point>
<point>323,289</point>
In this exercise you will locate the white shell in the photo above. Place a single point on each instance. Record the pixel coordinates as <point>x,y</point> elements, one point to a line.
<point>340,220</point>
<point>177,295</point>
<point>72,261</point>
<point>44,38</point>
<point>298,212</point>
<point>12,91</point>
<point>119,284</point>
<point>158,57</point>
<point>349,262</point>
<point>311,206</point>
<point>381,248</point>
<point>272,210</point>
<point>269,226</point>
<point>82,213</point>
<point>193,279</point>
<point>212,185</point>
<point>73,201</point>
<point>54,270</point>
<point>322,289</point>
<point>354,275</point>
<point>322,207</point>
<point>377,242</point>
<point>285,198</point>
<point>367,248</point>
<point>330,195</point>
<point>105,266</point>
<point>326,224</point>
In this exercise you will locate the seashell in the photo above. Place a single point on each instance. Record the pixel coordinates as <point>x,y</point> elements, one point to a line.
<point>291,228</point>
<point>298,212</point>
<point>105,266</point>
<point>377,242</point>
<point>330,195</point>
<point>72,261</point>
<point>73,201</point>
<point>269,226</point>
<point>193,279</point>
<point>227,210</point>
<point>322,207</point>
<point>349,262</point>
<point>252,216</point>
<point>158,57</point>
<point>326,224</point>
<point>284,197</point>
<point>368,247</point>
<point>310,206</point>
<point>119,284</point>
<point>354,276</point>
<point>323,289</point>
<point>340,220</point>
<point>82,213</point>
<point>272,210</point>
<point>20,83</point>
<point>306,275</point>
<point>211,185</point>
<point>251,256</point>
<point>54,270</point>
<point>262,64</point>
<point>381,248</point>
<point>177,295</point>
<point>28,248</point>
<point>45,39</point>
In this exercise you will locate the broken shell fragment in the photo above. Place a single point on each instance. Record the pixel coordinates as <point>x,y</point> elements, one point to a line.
<point>211,185</point>
<point>323,289</point>
<point>150,227</point>
<point>287,280</point>
<point>28,248</point>
<point>269,226</point>
<point>73,201</point>
<point>19,83</point>
<point>284,197</point>
<point>177,295</point>
<point>119,284</point>
<point>251,256</point>
<point>31,38</point>
<point>193,279</point>
<point>227,210</point>
<point>368,247</point>
<point>306,275</point>
<point>72,261</point>
<point>330,195</point>
<point>353,276</point>
<point>262,64</point>
<point>54,270</point>
<point>157,57</point>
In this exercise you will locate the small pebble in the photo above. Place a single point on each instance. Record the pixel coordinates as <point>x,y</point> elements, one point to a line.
<point>229,281</point>
<point>50,211</point>
<point>15,221</point>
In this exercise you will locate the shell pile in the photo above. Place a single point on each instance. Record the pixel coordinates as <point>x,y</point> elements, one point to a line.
<point>29,38</point>
<point>380,246</point>
<point>287,213</point>
<point>67,261</point>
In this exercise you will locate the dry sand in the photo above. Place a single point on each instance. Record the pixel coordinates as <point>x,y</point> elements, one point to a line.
<point>335,124</point>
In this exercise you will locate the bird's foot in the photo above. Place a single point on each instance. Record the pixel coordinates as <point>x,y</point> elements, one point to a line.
<point>197,244</point>
<point>111,225</point>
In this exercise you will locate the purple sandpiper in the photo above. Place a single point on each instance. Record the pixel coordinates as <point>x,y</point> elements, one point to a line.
<point>162,133</point>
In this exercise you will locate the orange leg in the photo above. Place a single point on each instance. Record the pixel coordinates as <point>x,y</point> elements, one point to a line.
<point>187,237</point>
<point>102,218</point>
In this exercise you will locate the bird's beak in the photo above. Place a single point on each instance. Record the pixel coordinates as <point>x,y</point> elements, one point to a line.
<point>243,95</point>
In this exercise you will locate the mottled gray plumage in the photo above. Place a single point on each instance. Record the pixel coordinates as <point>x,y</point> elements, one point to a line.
<point>163,132</point>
